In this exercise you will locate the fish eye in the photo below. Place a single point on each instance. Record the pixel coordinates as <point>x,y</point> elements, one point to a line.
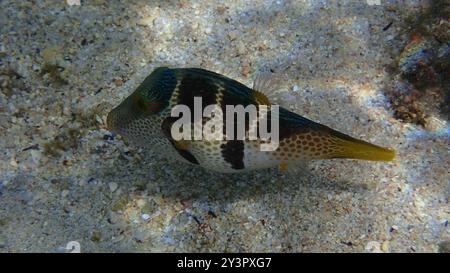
<point>140,102</point>
<point>145,105</point>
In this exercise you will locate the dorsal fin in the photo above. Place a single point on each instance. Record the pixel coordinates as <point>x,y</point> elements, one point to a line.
<point>266,82</point>
<point>269,79</point>
<point>260,97</point>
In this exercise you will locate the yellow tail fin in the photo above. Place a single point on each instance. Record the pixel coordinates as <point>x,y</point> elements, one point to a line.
<point>358,149</point>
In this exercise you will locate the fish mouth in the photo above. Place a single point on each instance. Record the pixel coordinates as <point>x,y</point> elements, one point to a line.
<point>110,121</point>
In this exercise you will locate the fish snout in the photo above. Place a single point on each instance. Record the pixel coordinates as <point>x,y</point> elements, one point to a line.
<point>111,121</point>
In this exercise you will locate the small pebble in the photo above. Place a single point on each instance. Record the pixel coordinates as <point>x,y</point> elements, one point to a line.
<point>118,82</point>
<point>385,246</point>
<point>92,181</point>
<point>113,186</point>
<point>241,49</point>
<point>373,247</point>
<point>98,119</point>
<point>96,236</point>
<point>64,193</point>
<point>117,239</point>
<point>13,162</point>
<point>145,217</point>
<point>147,21</point>
<point>393,228</point>
<point>140,236</point>
<point>73,2</point>
<point>140,203</point>
<point>108,137</point>
<point>36,156</point>
<point>232,35</point>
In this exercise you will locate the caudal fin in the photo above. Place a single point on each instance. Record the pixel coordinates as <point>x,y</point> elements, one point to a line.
<point>317,141</point>
<point>358,149</point>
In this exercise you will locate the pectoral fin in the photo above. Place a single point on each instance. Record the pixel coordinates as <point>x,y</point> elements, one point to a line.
<point>261,98</point>
<point>269,79</point>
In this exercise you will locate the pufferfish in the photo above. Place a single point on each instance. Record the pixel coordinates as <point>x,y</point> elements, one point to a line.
<point>144,119</point>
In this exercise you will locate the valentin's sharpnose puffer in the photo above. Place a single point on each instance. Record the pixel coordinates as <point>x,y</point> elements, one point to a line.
<point>144,118</point>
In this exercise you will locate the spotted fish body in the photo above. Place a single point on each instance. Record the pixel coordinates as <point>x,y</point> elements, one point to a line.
<point>144,118</point>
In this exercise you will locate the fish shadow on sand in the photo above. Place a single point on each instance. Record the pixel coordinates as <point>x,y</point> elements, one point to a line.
<point>198,184</point>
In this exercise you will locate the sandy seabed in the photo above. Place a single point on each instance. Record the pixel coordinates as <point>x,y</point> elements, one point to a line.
<point>64,178</point>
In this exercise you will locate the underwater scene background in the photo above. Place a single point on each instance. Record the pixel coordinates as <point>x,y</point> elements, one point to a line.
<point>376,72</point>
